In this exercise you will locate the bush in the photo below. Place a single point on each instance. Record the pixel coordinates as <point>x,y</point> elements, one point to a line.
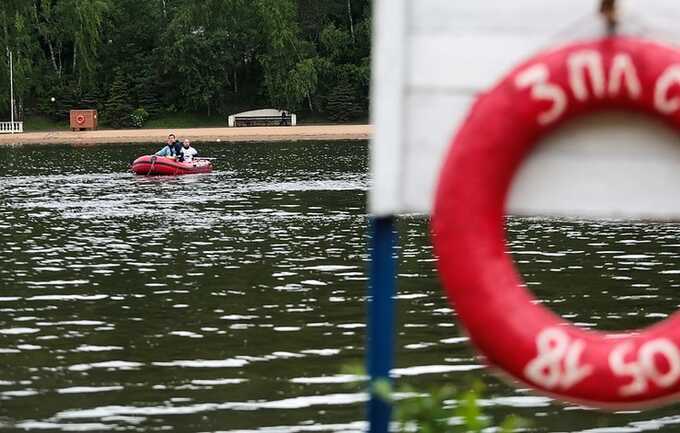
<point>441,410</point>
<point>139,117</point>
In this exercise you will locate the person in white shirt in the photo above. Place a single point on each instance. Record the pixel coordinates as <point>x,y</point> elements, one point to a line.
<point>187,152</point>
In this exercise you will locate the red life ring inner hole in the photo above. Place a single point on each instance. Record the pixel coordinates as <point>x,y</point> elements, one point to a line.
<point>594,279</point>
<point>601,275</point>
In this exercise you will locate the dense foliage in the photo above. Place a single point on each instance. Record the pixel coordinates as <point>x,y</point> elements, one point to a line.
<point>209,56</point>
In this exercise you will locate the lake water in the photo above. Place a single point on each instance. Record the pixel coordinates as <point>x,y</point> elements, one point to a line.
<point>233,301</point>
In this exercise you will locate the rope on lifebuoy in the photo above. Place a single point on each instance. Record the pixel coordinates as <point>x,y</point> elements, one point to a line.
<point>609,12</point>
<point>80,119</point>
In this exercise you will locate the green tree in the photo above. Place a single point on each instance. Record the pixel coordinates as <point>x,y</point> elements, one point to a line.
<point>289,75</point>
<point>85,22</point>
<point>175,55</point>
<point>210,48</point>
<point>344,103</point>
<point>16,36</point>
<point>71,31</point>
<point>345,72</point>
<point>199,62</point>
<point>118,107</point>
<point>53,41</point>
<point>135,53</point>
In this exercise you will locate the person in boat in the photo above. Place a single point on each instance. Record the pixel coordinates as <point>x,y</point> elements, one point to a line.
<point>187,153</point>
<point>172,148</point>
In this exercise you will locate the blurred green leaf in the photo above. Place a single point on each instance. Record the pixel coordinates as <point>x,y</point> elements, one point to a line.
<point>382,388</point>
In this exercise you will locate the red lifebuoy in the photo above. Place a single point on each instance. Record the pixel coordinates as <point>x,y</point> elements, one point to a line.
<point>522,338</point>
<point>80,119</point>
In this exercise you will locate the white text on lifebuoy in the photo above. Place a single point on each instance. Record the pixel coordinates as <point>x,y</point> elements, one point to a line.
<point>589,78</point>
<point>558,362</point>
<point>643,369</point>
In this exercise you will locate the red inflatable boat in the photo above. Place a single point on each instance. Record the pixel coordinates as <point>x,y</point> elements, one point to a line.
<point>152,165</point>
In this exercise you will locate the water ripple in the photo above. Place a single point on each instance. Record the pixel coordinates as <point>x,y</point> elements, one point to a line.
<point>235,300</point>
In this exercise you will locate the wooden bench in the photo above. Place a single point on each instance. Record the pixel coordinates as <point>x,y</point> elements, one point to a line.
<point>263,117</point>
<point>263,121</point>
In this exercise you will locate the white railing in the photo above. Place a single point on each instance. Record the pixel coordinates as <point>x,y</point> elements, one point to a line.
<point>11,127</point>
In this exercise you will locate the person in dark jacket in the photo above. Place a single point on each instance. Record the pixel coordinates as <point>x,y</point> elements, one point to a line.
<point>172,148</point>
<point>284,119</point>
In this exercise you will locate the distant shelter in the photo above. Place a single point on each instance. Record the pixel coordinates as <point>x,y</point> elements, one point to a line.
<point>264,117</point>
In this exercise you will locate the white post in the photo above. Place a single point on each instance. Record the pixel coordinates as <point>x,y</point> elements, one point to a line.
<point>11,90</point>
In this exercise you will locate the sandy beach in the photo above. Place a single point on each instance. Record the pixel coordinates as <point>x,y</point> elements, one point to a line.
<point>295,133</point>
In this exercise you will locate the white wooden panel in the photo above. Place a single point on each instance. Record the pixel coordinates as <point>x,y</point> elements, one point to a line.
<point>467,62</point>
<point>604,165</point>
<point>425,152</point>
<point>497,16</point>
<point>553,17</point>
<point>614,165</point>
<point>388,78</point>
<point>474,60</point>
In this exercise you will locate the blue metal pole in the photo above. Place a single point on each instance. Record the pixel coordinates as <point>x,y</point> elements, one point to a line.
<point>381,317</point>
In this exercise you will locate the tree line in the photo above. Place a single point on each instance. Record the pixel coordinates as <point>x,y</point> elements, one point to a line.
<point>135,59</point>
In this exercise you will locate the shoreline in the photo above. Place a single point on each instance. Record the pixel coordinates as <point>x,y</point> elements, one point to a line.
<point>196,135</point>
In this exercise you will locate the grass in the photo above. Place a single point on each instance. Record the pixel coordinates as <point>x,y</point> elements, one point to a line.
<point>186,120</point>
<point>37,123</point>
<point>41,124</point>
<point>318,119</point>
